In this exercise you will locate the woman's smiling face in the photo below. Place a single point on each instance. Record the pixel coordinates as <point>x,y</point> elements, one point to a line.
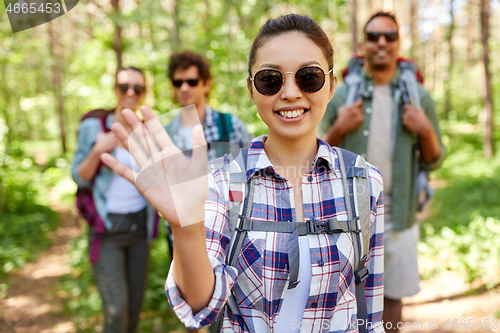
<point>291,113</point>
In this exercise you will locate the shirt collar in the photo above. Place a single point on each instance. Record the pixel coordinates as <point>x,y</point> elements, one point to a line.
<point>257,158</point>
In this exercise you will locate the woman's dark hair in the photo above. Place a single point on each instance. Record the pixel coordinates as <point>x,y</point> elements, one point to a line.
<point>382,14</point>
<point>292,23</point>
<point>133,69</point>
<point>186,59</point>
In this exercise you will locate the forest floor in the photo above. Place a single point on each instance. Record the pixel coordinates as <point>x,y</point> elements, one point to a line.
<point>32,305</point>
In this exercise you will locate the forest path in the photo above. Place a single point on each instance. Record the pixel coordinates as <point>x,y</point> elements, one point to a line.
<point>32,304</point>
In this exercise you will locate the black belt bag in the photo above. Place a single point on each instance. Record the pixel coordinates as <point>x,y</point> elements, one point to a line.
<point>131,223</point>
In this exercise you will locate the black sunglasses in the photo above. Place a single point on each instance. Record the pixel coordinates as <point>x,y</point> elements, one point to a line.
<point>191,82</point>
<point>374,36</point>
<point>309,79</point>
<point>138,89</point>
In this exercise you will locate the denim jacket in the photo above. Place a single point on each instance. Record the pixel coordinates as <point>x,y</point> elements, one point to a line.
<point>87,136</point>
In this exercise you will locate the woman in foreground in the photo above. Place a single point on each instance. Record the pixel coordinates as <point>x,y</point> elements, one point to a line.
<point>294,177</point>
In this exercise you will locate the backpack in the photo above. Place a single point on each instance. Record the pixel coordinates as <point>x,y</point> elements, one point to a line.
<point>409,79</point>
<point>84,200</point>
<point>225,127</point>
<point>354,175</point>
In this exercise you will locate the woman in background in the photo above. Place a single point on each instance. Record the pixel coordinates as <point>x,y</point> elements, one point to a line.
<point>120,264</point>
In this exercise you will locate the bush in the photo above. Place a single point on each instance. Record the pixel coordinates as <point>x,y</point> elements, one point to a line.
<point>473,249</point>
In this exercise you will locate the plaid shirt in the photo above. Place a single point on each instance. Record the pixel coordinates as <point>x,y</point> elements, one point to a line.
<point>238,138</point>
<point>260,279</point>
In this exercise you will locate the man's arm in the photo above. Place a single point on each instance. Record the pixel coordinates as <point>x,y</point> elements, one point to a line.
<point>349,118</point>
<point>426,126</point>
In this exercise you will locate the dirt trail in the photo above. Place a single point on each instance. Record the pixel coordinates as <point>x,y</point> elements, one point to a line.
<point>31,304</point>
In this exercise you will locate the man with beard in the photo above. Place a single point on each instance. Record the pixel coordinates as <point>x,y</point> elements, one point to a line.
<point>396,137</point>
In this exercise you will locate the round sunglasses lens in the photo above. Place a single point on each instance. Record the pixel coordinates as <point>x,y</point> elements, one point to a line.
<point>310,79</point>
<point>123,87</point>
<point>268,82</point>
<point>138,90</point>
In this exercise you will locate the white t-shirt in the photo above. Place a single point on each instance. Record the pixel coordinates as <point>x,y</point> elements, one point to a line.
<point>295,300</point>
<point>122,197</point>
<point>380,142</point>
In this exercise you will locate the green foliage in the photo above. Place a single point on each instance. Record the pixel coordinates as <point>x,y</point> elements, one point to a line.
<point>26,221</point>
<point>472,249</point>
<point>462,230</point>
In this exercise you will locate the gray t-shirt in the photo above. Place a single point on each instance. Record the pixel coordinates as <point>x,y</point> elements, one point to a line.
<point>379,142</point>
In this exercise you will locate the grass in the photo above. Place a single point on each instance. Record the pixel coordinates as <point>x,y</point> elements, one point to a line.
<point>461,231</point>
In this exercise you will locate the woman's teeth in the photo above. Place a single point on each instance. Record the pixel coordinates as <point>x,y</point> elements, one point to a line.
<point>292,114</point>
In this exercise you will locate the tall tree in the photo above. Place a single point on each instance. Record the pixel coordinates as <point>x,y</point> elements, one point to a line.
<point>488,103</point>
<point>451,60</point>
<point>354,27</point>
<point>469,32</point>
<point>414,28</point>
<point>117,41</point>
<point>56,52</point>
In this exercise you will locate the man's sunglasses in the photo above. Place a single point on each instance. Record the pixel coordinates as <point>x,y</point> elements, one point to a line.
<point>138,89</point>
<point>374,36</point>
<point>309,79</point>
<point>191,82</point>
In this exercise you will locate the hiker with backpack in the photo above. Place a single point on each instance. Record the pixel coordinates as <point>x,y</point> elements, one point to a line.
<point>121,221</point>
<point>191,80</point>
<point>383,113</point>
<point>293,228</point>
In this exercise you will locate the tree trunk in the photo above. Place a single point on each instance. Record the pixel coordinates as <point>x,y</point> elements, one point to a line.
<point>414,29</point>
<point>354,27</point>
<point>117,41</point>
<point>449,76</point>
<point>488,103</point>
<point>176,36</point>
<point>55,49</point>
<point>469,33</point>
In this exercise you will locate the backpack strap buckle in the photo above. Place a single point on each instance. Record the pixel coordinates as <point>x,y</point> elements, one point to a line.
<point>361,275</point>
<point>317,227</point>
<point>358,225</point>
<point>244,224</point>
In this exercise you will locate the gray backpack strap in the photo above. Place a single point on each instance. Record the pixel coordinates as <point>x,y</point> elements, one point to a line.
<point>356,89</point>
<point>408,84</point>
<point>237,189</point>
<point>357,199</point>
<point>354,81</point>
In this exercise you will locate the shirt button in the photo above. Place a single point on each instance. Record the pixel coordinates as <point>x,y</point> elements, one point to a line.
<point>314,305</point>
<point>368,110</point>
<point>366,132</point>
<point>370,88</point>
<point>133,227</point>
<point>310,179</point>
<point>320,263</point>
